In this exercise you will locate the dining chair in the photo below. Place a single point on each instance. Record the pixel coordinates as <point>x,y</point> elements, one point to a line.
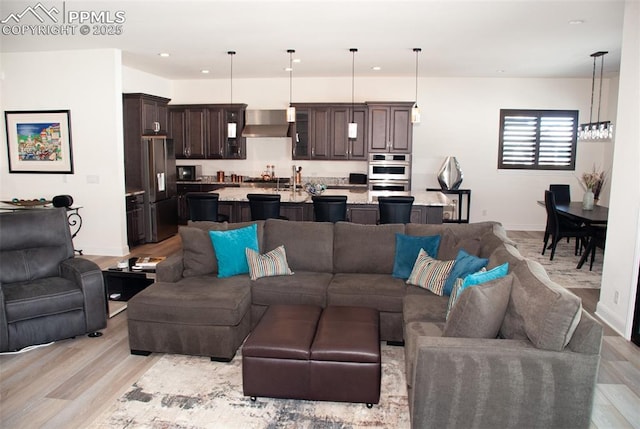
<point>558,228</point>
<point>204,206</point>
<point>598,235</point>
<point>395,209</point>
<point>265,206</point>
<point>561,192</point>
<point>329,208</point>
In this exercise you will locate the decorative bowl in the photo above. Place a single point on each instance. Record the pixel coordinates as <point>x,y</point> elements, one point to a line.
<point>314,188</point>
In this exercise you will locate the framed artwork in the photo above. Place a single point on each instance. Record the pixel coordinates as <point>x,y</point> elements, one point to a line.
<point>39,141</point>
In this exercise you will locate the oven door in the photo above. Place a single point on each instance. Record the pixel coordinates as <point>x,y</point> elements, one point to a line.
<point>386,170</point>
<point>389,185</point>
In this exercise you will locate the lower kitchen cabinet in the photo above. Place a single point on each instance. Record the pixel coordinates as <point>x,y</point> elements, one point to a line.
<point>135,219</point>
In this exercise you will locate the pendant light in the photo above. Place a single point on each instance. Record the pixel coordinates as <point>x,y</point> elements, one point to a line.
<point>232,127</point>
<point>353,126</point>
<point>415,110</point>
<point>596,131</point>
<point>291,111</point>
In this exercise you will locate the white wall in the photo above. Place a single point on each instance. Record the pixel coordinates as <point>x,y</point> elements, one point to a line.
<point>88,83</point>
<point>459,117</point>
<point>620,271</point>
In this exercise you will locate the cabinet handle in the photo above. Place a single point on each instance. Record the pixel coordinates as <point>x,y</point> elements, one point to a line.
<point>313,151</point>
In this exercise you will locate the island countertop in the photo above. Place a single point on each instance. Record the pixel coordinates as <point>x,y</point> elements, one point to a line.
<point>354,196</point>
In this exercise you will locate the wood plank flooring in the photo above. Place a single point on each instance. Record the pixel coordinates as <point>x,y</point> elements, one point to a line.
<point>70,383</point>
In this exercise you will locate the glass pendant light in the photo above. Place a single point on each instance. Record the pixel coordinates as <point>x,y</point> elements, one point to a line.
<point>232,127</point>
<point>291,111</point>
<point>415,111</point>
<point>596,131</point>
<point>353,126</point>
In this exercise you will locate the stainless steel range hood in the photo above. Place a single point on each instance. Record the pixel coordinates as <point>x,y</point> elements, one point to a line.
<point>266,123</point>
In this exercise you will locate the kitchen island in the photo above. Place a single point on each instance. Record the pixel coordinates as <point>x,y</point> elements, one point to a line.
<point>362,204</point>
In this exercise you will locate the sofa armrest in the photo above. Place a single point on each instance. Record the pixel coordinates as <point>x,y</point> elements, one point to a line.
<point>462,383</point>
<point>88,276</point>
<point>170,270</point>
<point>4,331</point>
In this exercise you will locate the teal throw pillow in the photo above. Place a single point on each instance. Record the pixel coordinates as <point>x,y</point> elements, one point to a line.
<point>407,249</point>
<point>465,264</point>
<point>230,249</point>
<point>482,276</point>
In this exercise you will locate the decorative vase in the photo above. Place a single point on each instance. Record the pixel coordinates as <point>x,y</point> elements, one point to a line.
<point>587,200</point>
<point>450,175</point>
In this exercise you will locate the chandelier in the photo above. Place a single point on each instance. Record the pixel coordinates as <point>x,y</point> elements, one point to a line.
<point>599,130</point>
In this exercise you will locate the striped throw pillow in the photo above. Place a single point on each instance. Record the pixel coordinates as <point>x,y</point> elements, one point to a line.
<point>430,273</point>
<point>273,263</point>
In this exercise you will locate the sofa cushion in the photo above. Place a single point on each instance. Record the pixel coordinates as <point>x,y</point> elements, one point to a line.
<point>413,331</point>
<point>273,263</point>
<point>430,273</point>
<point>198,255</point>
<point>309,245</point>
<point>304,287</point>
<point>230,249</point>
<point>41,297</point>
<point>465,264</point>
<point>199,301</point>
<point>539,309</point>
<point>380,291</point>
<point>474,279</point>
<point>407,250</point>
<point>364,248</point>
<point>424,306</point>
<point>479,310</point>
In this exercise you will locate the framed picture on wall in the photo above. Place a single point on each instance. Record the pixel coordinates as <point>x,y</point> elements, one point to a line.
<point>39,141</point>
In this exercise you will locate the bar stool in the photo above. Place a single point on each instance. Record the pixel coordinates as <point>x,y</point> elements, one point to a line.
<point>395,209</point>
<point>265,206</point>
<point>204,206</point>
<point>330,208</point>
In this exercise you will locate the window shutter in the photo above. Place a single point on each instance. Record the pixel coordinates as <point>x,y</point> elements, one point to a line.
<point>538,139</point>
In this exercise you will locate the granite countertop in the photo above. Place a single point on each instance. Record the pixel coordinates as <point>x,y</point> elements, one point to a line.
<point>354,196</point>
<point>132,192</point>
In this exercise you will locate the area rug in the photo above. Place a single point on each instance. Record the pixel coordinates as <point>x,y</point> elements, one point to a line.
<point>562,269</point>
<point>190,392</point>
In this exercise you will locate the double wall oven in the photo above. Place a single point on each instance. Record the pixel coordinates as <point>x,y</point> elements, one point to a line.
<point>389,172</point>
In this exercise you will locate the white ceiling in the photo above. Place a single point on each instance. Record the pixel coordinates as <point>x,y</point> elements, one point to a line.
<point>479,38</point>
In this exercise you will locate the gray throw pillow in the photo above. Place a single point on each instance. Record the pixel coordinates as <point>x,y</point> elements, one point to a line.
<point>479,310</point>
<point>198,255</point>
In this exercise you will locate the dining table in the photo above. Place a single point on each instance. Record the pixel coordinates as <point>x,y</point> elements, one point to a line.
<point>596,217</point>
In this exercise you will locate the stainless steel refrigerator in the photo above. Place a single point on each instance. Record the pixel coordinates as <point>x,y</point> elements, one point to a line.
<point>159,182</point>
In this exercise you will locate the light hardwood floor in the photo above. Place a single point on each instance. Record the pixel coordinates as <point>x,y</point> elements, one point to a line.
<point>70,383</point>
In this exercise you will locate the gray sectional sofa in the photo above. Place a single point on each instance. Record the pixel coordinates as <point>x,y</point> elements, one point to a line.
<point>539,371</point>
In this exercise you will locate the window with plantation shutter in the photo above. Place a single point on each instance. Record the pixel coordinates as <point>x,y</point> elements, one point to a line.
<point>538,139</point>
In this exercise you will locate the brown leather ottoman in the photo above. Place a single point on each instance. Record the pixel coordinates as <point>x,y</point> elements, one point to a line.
<point>302,352</point>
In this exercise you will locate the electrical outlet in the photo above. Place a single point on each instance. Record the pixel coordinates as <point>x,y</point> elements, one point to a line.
<point>616,295</point>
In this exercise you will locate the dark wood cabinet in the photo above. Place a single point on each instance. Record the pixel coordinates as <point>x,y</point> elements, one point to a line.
<point>141,112</point>
<point>321,132</point>
<point>343,147</point>
<point>201,131</point>
<point>390,127</point>
<point>135,219</point>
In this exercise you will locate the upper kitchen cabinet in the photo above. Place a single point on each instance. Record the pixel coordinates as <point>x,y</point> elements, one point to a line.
<point>321,132</point>
<point>343,147</point>
<point>142,114</point>
<point>390,128</point>
<point>202,131</point>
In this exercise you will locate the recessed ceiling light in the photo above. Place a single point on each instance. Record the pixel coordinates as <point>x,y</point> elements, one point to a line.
<point>288,69</point>
<point>296,60</point>
<point>576,22</point>
<point>376,68</point>
<point>500,71</point>
<point>205,71</point>
<point>164,54</point>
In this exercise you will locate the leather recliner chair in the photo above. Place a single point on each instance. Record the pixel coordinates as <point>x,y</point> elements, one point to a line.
<point>46,294</point>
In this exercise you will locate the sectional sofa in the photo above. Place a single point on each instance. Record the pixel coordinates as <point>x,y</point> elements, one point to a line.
<point>517,351</point>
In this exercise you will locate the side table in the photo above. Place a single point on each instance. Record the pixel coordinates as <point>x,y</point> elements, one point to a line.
<point>462,208</point>
<point>121,284</point>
